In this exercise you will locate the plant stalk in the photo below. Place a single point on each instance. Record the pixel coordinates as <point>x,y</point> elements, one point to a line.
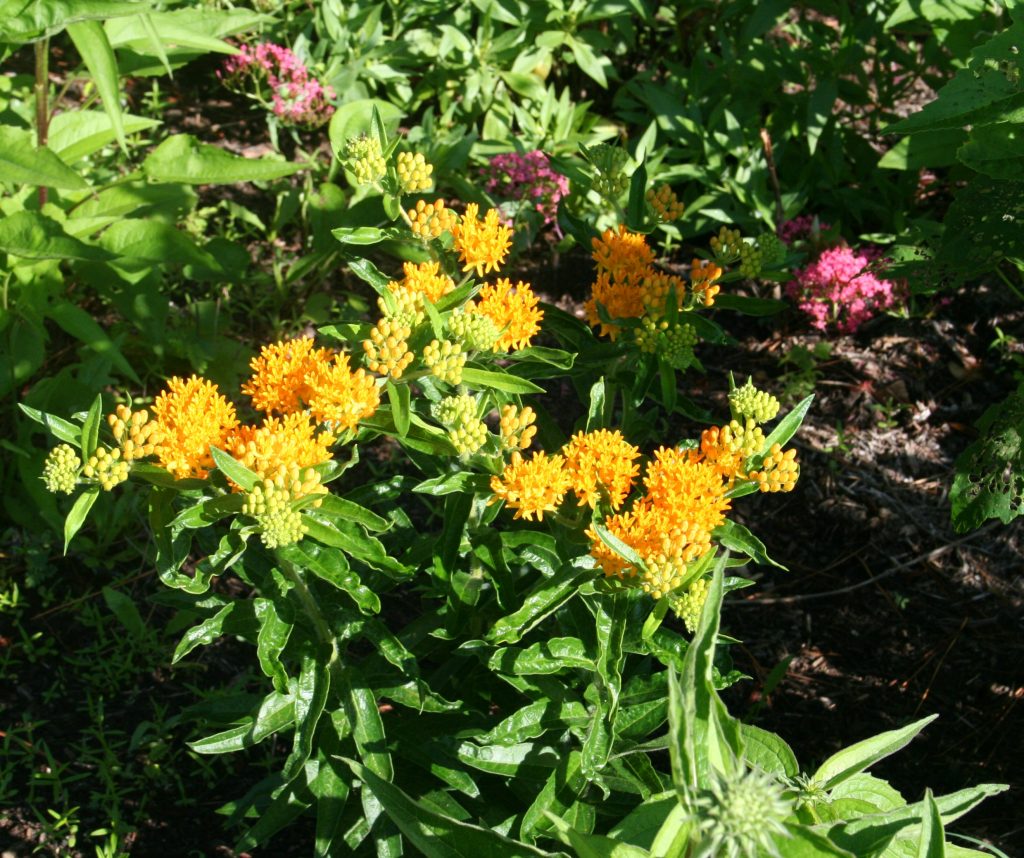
<point>323,632</point>
<point>42,49</point>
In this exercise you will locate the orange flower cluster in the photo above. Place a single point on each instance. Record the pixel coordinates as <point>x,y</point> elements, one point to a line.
<point>424,279</point>
<point>191,417</point>
<point>601,462</point>
<point>279,382</point>
<point>670,525</point>
<point>514,311</point>
<point>627,285</point>
<point>482,244</point>
<point>280,444</point>
<point>531,487</point>
<point>703,277</point>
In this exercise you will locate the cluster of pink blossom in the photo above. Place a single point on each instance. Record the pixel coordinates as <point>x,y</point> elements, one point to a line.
<point>527,177</point>
<point>296,96</point>
<point>838,288</point>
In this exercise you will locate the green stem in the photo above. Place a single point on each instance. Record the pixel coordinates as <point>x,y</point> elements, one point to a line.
<point>1009,283</point>
<point>42,49</point>
<point>323,631</point>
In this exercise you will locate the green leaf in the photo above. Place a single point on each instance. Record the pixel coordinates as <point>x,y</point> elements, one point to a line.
<point>124,609</point>
<point>750,306</point>
<point>153,241</point>
<point>75,321</point>
<point>869,789</point>
<point>768,751</point>
<point>276,712</point>
<point>338,507</point>
<point>356,117</point>
<point>819,110</point>
<point>866,753</point>
<point>206,512</point>
<point>205,633</point>
<point>286,806</point>
<point>182,158</point>
<point>22,21</point>
<point>736,537</point>
<point>562,788</point>
<point>188,29</point>
<point>60,428</point>
<point>80,133</point>
<point>23,164</point>
<point>399,397</point>
<point>550,656</point>
<point>310,696</point>
<point>524,760</point>
<point>363,714</point>
<point>929,149</point>
<point>803,842</point>
<point>463,482</point>
<point>597,406</point>
<point>933,839</point>
<point>234,470</point>
<point>364,236</point>
<point>271,641</point>
<point>995,150</point>
<point>35,236</point>
<point>434,834</point>
<point>786,429</point>
<point>91,41</point>
<point>587,60</point>
<point>535,719</point>
<point>546,597</point>
<point>618,546</point>
<point>77,514</point>
<point>91,427</point>
<point>594,845</point>
<point>610,617</point>
<point>636,208</point>
<point>503,381</point>
<point>330,565</point>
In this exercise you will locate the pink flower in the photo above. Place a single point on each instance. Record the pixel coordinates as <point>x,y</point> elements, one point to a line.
<point>839,289</point>
<point>529,178</point>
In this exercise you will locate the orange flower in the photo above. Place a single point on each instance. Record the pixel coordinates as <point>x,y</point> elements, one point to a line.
<point>279,445</point>
<point>601,461</point>
<point>531,487</point>
<point>278,381</point>
<point>513,309</point>
<point>340,397</point>
<point>621,300</point>
<point>703,274</point>
<point>191,416</point>
<point>624,255</point>
<point>482,245</point>
<point>424,279</point>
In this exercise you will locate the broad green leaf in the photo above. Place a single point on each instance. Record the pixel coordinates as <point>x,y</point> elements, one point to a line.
<point>151,241</point>
<point>234,470</point>
<point>205,633</point>
<point>75,321</point>
<point>35,236</point>
<point>123,607</point>
<point>801,841</point>
<point>546,597</point>
<point>463,482</point>
<point>434,834</point>
<point>503,381</point>
<point>562,788</point>
<point>929,149</point>
<point>310,696</point>
<point>768,751</point>
<point>366,235</point>
<point>819,110</point>
<point>337,507</point>
<point>330,565</point>
<point>995,150</point>
<point>271,641</point>
<point>642,824</point>
<point>91,41</point>
<point>60,428</point>
<point>527,760</point>
<point>208,511</point>
<point>866,753</point>
<point>77,514</point>
<point>30,20</point>
<point>79,133</point>
<point>587,60</point>
<point>91,427</point>
<point>182,158</point>
<point>178,31</point>
<point>867,788</point>
<point>594,845</point>
<point>550,656</point>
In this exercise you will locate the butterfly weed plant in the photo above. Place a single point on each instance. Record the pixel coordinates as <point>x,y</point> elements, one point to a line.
<point>474,651</point>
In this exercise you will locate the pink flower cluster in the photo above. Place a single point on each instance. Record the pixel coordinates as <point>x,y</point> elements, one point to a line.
<point>297,97</point>
<point>839,289</point>
<point>527,177</point>
<point>801,228</point>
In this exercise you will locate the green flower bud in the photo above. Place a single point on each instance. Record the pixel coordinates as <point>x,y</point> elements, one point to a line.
<point>740,813</point>
<point>748,401</point>
<point>414,172</point>
<point>107,468</point>
<point>474,331</point>
<point>465,430</point>
<point>750,260</point>
<point>688,604</point>
<point>60,470</point>
<point>676,345</point>
<point>445,361</point>
<point>365,159</point>
<point>270,505</point>
<point>773,249</point>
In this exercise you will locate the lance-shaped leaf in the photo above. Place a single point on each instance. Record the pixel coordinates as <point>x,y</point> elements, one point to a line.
<point>91,41</point>
<point>61,429</point>
<point>77,514</point>
<point>310,695</point>
<point>549,595</point>
<point>864,754</point>
<point>182,158</point>
<point>23,164</point>
<point>35,236</point>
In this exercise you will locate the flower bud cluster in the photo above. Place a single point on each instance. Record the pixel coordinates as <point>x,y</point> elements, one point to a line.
<point>408,308</point>
<point>387,350</point>
<point>365,159</point>
<point>742,813</point>
<point>649,334</point>
<point>414,172</point>
<point>271,505</point>
<point>664,203</point>
<point>445,361</point>
<point>475,331</point>
<point>609,162</point>
<point>703,275</point>
<point>748,401</point>
<point>517,429</point>
<point>430,220</point>
<point>465,430</point>
<point>60,471</point>
<point>773,250</point>
<point>663,574</point>
<point>779,471</point>
<point>689,603</point>
<point>750,260</point>
<point>727,245</point>
<point>107,468</point>
<point>134,432</point>
<point>676,345</point>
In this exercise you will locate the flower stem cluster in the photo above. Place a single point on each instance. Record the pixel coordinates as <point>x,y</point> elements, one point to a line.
<point>445,360</point>
<point>748,401</point>
<point>663,202</point>
<point>365,159</point>
<point>387,349</point>
<point>413,172</point>
<point>458,414</point>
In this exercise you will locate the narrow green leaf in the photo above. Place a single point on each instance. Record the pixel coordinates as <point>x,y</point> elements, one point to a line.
<point>562,788</point>
<point>532,721</point>
<point>549,595</point>
<point>77,514</point>
<point>311,691</point>
<point>866,753</point>
<point>550,656</point>
<point>271,641</point>
<point>819,110</point>
<point>502,381</point>
<point>234,470</point>
<point>618,546</point>
<point>636,208</point>
<point>338,507</point>
<point>461,482</point>
<point>75,321</point>
<point>399,397</point>
<point>91,427</point>
<point>124,609</point>
<point>786,429</point>
<point>737,537</point>
<point>91,41</point>
<point>434,834</point>
<point>594,845</point>
<point>363,714</point>
<point>365,235</point>
<point>330,565</point>
<point>610,616</point>
<point>933,839</point>
<point>287,805</point>
<point>60,428</point>
<point>205,633</point>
